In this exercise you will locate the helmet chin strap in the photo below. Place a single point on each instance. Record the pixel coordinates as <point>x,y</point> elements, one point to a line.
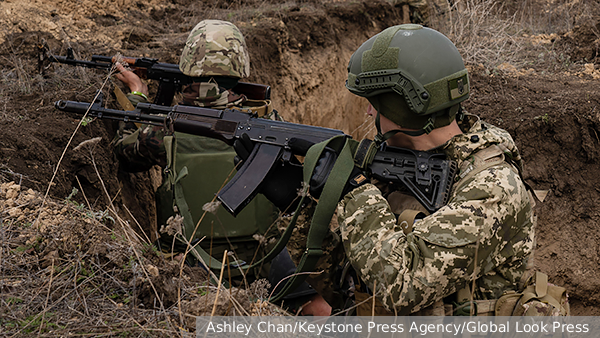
<point>380,137</point>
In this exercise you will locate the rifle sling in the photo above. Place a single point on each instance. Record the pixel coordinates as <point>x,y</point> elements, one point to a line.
<point>320,221</point>
<point>325,208</point>
<point>123,100</point>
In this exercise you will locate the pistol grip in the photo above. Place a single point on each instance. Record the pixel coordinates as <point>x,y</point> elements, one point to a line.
<point>242,188</point>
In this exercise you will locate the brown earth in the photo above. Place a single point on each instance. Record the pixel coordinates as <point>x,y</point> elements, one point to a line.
<point>547,101</point>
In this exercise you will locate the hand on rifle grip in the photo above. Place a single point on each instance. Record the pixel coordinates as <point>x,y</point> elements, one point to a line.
<point>281,184</point>
<point>130,79</point>
<point>243,148</point>
<point>323,169</point>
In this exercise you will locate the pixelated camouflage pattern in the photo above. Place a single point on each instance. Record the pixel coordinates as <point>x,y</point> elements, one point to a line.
<point>463,146</point>
<point>554,301</point>
<point>537,308</point>
<point>492,215</point>
<point>215,48</point>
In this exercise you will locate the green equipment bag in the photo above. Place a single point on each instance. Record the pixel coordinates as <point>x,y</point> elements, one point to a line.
<point>538,298</point>
<point>197,168</point>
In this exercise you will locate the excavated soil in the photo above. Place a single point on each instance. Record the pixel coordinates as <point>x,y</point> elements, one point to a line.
<point>548,101</point>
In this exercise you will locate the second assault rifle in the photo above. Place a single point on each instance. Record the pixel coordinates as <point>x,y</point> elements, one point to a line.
<point>170,78</point>
<point>427,176</point>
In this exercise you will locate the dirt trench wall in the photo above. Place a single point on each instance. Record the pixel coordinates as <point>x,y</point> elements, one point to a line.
<point>312,90</point>
<point>300,50</point>
<point>555,123</point>
<point>304,57</point>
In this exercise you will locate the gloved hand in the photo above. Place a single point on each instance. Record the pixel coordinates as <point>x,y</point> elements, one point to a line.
<point>323,169</point>
<point>281,184</point>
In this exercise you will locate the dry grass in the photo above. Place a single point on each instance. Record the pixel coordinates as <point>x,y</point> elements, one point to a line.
<point>521,34</point>
<point>78,271</point>
<point>68,269</point>
<point>88,272</point>
<point>481,35</point>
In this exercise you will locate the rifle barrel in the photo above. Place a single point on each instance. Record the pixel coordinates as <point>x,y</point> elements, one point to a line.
<point>82,63</point>
<point>96,110</point>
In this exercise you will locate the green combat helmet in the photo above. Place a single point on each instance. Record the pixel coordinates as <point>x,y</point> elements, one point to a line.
<point>412,75</point>
<point>215,48</point>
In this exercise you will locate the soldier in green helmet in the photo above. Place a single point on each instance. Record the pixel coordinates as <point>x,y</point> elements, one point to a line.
<point>476,247</point>
<point>195,167</point>
<point>415,79</point>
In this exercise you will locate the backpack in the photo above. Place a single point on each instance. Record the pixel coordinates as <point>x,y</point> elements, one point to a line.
<point>197,168</point>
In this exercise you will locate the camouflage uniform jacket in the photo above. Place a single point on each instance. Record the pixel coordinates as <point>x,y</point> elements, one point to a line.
<point>487,225</point>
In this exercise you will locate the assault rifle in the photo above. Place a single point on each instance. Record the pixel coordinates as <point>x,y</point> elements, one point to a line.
<point>428,176</point>
<point>168,75</point>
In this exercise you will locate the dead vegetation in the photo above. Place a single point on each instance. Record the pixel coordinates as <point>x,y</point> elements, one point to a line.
<point>76,264</point>
<point>506,36</point>
<point>67,269</point>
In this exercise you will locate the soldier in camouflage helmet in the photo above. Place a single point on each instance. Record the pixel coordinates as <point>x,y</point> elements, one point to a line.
<point>412,260</point>
<point>195,167</point>
<point>215,48</point>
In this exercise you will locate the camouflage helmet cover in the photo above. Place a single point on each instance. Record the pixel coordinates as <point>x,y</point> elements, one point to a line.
<point>411,75</point>
<point>215,48</point>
